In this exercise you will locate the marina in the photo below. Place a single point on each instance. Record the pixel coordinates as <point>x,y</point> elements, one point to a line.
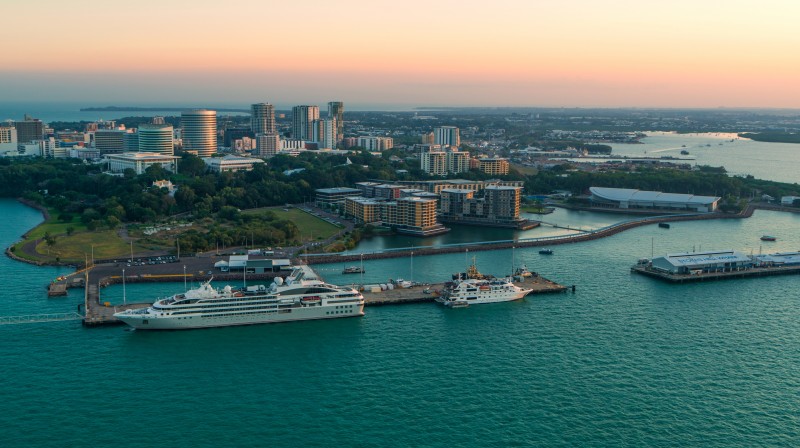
<point>617,332</point>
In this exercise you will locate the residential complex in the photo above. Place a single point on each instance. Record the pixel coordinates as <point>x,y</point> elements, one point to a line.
<point>375,143</point>
<point>302,120</point>
<point>336,112</point>
<point>446,136</point>
<point>267,145</point>
<point>495,205</point>
<point>495,166</point>
<point>262,118</point>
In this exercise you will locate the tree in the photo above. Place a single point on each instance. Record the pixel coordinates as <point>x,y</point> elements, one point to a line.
<point>70,230</point>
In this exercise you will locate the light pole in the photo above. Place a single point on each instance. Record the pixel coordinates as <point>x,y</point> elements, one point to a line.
<point>92,254</point>
<point>184,277</point>
<point>124,292</point>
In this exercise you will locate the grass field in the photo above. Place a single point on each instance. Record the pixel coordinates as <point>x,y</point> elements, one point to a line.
<point>55,227</point>
<point>71,248</point>
<point>107,244</point>
<point>307,223</point>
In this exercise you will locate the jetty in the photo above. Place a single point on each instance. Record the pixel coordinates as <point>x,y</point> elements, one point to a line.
<point>417,294</point>
<point>718,275</point>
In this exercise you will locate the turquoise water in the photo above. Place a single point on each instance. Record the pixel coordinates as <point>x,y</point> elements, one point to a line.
<point>625,361</point>
<point>773,161</point>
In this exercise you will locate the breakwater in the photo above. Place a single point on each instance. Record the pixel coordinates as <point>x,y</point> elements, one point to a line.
<point>533,242</point>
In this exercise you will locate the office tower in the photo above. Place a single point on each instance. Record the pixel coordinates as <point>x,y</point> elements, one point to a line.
<point>262,118</point>
<point>156,138</point>
<point>336,111</point>
<point>446,136</point>
<point>302,119</point>
<point>109,140</point>
<point>29,129</point>
<point>130,141</point>
<point>267,145</point>
<point>199,132</point>
<point>230,135</point>
<point>324,133</point>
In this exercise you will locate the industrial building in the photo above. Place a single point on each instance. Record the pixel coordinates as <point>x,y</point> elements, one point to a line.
<point>702,262</point>
<point>626,198</point>
<point>779,259</point>
<point>239,263</point>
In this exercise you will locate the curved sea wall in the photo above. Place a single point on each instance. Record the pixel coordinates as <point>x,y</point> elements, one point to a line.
<point>601,233</point>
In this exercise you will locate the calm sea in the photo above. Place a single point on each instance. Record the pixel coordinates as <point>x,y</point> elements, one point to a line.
<point>625,361</point>
<point>740,156</point>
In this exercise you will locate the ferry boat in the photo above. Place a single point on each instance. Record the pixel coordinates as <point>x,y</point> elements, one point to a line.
<point>471,291</point>
<point>353,270</point>
<point>302,296</point>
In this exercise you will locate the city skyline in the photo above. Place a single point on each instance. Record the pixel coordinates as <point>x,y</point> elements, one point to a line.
<point>609,53</point>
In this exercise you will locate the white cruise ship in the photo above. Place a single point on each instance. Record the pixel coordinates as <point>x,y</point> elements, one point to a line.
<point>301,296</point>
<point>470,291</point>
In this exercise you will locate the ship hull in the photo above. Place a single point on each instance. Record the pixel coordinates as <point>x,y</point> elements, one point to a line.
<point>188,322</point>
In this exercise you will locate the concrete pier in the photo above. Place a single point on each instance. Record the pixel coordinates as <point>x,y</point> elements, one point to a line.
<point>722,275</point>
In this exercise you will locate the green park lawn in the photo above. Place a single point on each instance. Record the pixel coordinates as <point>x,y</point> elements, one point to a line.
<point>307,223</point>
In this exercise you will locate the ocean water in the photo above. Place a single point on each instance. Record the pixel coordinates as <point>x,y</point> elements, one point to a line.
<point>773,161</point>
<point>626,360</point>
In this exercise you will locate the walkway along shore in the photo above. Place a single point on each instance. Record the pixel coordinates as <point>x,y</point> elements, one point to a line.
<point>530,242</point>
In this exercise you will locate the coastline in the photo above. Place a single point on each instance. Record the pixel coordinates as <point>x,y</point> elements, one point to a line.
<point>45,216</point>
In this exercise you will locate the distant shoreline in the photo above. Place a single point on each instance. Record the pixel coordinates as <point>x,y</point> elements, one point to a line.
<point>151,109</point>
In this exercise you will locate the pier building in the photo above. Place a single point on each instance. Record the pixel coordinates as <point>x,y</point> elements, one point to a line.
<point>627,198</point>
<point>701,262</point>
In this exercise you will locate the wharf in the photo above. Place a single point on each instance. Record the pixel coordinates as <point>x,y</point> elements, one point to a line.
<point>57,289</point>
<point>402,296</point>
<point>723,275</point>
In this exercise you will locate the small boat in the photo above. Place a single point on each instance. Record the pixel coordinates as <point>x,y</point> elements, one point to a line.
<point>685,152</point>
<point>352,270</point>
<point>768,238</point>
<point>546,251</point>
<point>663,225</point>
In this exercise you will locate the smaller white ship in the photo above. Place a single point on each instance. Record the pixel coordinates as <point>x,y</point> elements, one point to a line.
<point>473,291</point>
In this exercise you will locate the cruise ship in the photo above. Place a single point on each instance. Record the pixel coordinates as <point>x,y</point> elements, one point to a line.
<point>302,296</point>
<point>470,291</point>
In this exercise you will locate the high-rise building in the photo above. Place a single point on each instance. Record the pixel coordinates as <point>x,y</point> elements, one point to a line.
<point>109,141</point>
<point>262,118</point>
<point>446,136</point>
<point>158,120</point>
<point>336,111</point>
<point>199,132</point>
<point>302,119</point>
<point>494,166</point>
<point>324,133</point>
<point>268,145</point>
<point>8,139</point>
<point>156,138</point>
<point>457,161</point>
<point>434,162</point>
<point>130,141</point>
<point>29,129</point>
<point>375,143</point>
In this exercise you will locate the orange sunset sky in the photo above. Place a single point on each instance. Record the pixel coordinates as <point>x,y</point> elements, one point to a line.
<point>609,53</point>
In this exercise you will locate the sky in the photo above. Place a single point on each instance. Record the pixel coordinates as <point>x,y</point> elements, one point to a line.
<point>547,53</point>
